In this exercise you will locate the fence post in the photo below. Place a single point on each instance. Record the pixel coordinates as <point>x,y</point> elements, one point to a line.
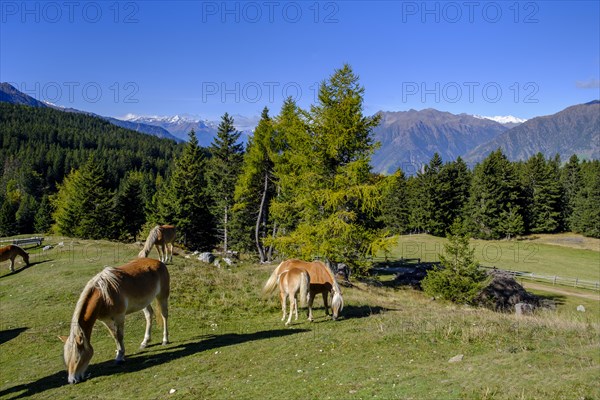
<point>554,281</point>
<point>576,280</point>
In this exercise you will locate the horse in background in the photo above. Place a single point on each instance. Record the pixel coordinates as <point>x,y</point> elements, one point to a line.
<point>292,282</point>
<point>322,281</point>
<point>10,252</point>
<point>108,297</point>
<point>161,237</point>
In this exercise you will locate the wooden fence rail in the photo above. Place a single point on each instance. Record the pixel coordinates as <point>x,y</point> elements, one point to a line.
<point>23,241</point>
<point>553,279</point>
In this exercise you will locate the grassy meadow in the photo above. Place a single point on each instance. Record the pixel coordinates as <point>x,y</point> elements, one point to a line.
<point>227,342</point>
<point>566,255</point>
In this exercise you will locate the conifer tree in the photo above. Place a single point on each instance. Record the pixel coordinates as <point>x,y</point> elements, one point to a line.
<point>83,204</point>
<point>543,194</point>
<point>459,278</point>
<point>43,217</point>
<point>224,167</point>
<point>495,185</point>
<point>254,190</point>
<point>183,199</point>
<point>325,179</point>
<point>394,204</point>
<point>571,182</point>
<point>586,211</point>
<point>129,207</point>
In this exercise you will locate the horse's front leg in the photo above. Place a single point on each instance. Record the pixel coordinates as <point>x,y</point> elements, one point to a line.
<point>149,314</point>
<point>12,264</point>
<point>115,327</point>
<point>325,295</point>
<point>311,298</point>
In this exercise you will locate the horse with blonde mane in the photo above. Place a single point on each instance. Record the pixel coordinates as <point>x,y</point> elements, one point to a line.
<point>292,282</point>
<point>108,297</point>
<point>161,237</point>
<point>11,252</point>
<point>322,281</point>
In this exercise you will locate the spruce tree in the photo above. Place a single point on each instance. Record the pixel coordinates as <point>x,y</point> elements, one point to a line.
<point>223,170</point>
<point>43,217</point>
<point>586,211</point>
<point>394,205</point>
<point>129,207</point>
<point>459,278</point>
<point>83,204</point>
<point>184,201</point>
<point>543,194</point>
<point>571,182</point>
<point>494,187</point>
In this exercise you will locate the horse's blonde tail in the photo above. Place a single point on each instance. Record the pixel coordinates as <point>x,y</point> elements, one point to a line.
<point>304,286</point>
<point>272,282</point>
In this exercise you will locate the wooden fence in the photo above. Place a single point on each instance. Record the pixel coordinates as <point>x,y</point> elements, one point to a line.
<point>553,279</point>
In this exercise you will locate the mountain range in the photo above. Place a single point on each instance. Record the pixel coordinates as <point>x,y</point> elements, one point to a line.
<point>408,138</point>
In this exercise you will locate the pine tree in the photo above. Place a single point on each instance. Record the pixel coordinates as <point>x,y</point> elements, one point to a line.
<point>586,211</point>
<point>224,167</point>
<point>394,204</point>
<point>129,207</point>
<point>183,199</point>
<point>511,222</point>
<point>459,278</point>
<point>325,178</point>
<point>43,217</point>
<point>494,186</point>
<point>83,204</point>
<point>571,182</point>
<point>543,194</point>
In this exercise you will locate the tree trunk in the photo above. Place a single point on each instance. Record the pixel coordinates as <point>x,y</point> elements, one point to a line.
<point>259,218</point>
<point>225,231</point>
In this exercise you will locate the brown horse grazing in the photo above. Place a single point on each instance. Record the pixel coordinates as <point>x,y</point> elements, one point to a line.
<point>291,282</point>
<point>108,297</point>
<point>321,281</point>
<point>160,236</point>
<point>10,252</point>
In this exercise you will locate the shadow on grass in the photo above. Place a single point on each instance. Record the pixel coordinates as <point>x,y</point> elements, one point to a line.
<point>141,361</point>
<point>353,312</point>
<point>19,270</point>
<point>10,334</point>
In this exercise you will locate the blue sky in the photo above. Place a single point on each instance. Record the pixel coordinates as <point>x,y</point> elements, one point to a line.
<point>205,58</point>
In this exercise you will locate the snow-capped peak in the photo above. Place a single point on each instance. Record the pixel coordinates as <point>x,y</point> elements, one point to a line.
<point>503,119</point>
<point>175,119</point>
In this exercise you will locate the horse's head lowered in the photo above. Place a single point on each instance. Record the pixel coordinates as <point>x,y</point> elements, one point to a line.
<point>78,353</point>
<point>337,305</point>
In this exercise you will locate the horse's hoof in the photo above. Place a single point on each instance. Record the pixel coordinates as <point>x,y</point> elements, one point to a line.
<point>119,362</point>
<point>165,342</point>
<point>143,345</point>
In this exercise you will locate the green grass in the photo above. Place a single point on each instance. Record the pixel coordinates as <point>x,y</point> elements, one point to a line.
<point>521,255</point>
<point>228,342</point>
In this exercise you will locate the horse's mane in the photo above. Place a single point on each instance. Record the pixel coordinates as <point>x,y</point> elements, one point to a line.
<point>106,281</point>
<point>152,237</point>
<point>336,287</point>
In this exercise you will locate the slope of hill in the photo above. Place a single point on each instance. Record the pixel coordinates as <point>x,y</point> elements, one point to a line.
<point>53,142</point>
<point>410,138</point>
<point>9,94</point>
<point>574,130</point>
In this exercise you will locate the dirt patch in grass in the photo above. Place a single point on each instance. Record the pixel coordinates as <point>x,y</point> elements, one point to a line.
<point>571,240</point>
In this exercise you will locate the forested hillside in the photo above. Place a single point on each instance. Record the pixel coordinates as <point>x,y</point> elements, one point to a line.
<point>303,186</point>
<point>41,146</point>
